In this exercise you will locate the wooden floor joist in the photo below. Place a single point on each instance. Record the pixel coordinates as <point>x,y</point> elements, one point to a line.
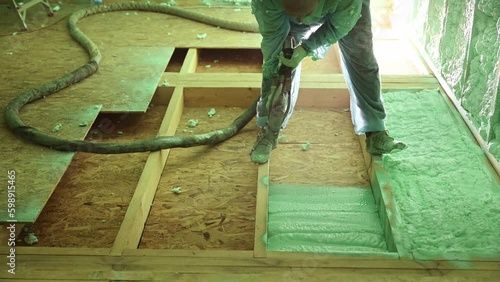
<point>132,226</point>
<point>261,211</point>
<point>308,80</point>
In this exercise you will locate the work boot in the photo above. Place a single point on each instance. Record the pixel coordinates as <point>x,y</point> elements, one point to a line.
<point>378,143</point>
<point>266,142</point>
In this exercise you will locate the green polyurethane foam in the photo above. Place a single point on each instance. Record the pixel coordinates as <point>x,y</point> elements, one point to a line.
<point>463,42</point>
<point>447,197</point>
<point>323,220</point>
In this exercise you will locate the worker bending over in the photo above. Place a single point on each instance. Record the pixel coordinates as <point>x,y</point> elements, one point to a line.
<point>316,25</point>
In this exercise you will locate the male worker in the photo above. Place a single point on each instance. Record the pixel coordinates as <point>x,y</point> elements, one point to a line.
<point>316,25</point>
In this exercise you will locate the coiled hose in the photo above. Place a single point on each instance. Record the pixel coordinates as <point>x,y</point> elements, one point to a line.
<point>16,125</point>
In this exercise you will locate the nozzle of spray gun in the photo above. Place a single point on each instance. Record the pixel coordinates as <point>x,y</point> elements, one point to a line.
<point>288,47</point>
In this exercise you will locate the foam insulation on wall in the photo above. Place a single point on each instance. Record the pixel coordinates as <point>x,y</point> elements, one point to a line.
<point>419,19</point>
<point>455,41</point>
<point>462,38</point>
<point>434,30</point>
<point>481,90</point>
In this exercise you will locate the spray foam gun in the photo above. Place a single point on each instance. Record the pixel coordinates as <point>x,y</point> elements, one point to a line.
<point>280,99</point>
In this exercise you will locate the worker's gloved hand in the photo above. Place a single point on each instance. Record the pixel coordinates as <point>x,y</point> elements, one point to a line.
<point>299,54</point>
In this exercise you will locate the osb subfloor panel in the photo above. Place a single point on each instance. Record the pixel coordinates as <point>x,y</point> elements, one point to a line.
<point>334,157</point>
<point>88,206</point>
<point>37,176</point>
<point>216,206</point>
<point>129,77</point>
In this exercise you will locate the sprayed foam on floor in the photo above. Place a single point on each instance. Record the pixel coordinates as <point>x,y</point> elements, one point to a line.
<point>323,220</point>
<point>447,196</point>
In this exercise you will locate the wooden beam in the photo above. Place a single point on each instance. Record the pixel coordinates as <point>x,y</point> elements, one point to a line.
<point>246,258</point>
<point>42,251</point>
<point>58,280</point>
<point>390,217</point>
<point>188,253</point>
<point>384,199</point>
<point>337,98</point>
<point>132,226</point>
<point>261,212</point>
<point>315,81</point>
<point>55,267</point>
<point>190,62</point>
<point>240,90</point>
<point>302,273</point>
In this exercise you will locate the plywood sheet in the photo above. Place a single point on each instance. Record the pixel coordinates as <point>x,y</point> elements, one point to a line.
<point>126,80</point>
<point>39,169</point>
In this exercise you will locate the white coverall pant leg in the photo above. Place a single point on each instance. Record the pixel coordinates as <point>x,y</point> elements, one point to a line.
<point>361,73</point>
